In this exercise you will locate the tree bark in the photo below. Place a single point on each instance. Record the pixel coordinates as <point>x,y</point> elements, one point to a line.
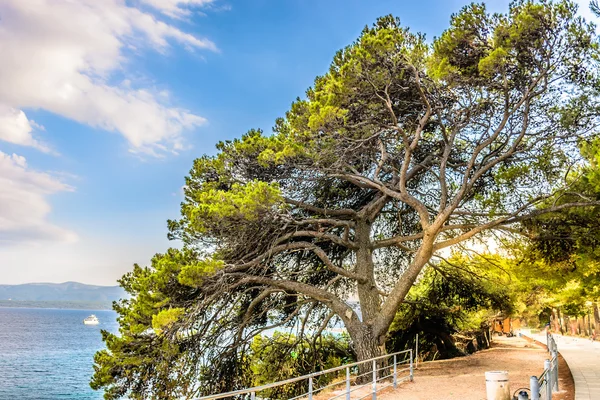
<point>366,343</point>
<point>398,294</point>
<point>367,346</point>
<point>370,304</point>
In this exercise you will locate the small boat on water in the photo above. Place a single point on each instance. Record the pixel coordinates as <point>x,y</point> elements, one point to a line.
<point>91,320</point>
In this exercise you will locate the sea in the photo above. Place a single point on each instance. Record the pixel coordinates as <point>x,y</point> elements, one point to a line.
<point>47,354</point>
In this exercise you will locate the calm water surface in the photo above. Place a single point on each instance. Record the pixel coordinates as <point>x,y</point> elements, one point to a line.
<point>48,353</point>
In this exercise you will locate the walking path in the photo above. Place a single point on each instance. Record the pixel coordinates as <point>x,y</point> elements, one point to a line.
<point>464,377</point>
<point>583,358</point>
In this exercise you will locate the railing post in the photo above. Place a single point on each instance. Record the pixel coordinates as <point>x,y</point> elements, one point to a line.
<point>555,358</point>
<point>347,383</point>
<point>395,373</point>
<point>310,388</point>
<point>534,386</point>
<point>411,366</point>
<point>374,380</point>
<point>548,379</point>
<point>417,351</point>
<point>253,396</point>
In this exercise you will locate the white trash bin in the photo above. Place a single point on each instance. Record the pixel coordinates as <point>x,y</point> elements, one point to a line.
<point>496,385</point>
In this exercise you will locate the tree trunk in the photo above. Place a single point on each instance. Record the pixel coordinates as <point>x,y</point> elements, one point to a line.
<point>555,320</point>
<point>596,318</point>
<point>366,346</point>
<point>368,335</point>
<point>368,296</point>
<point>402,287</point>
<point>573,326</point>
<point>586,325</point>
<point>561,321</point>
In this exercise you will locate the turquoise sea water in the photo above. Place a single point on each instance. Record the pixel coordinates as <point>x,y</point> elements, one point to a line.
<point>48,353</point>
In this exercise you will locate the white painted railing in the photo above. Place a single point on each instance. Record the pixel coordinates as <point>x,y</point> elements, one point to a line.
<point>542,388</point>
<point>345,381</point>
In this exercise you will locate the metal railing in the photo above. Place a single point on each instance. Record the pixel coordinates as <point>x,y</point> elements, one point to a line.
<point>350,380</point>
<point>543,387</point>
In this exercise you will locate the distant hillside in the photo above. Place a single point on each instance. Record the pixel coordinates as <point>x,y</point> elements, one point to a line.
<point>62,292</point>
<point>69,305</point>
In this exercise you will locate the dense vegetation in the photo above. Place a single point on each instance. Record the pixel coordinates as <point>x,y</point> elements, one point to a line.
<point>403,149</point>
<point>565,247</point>
<point>459,295</point>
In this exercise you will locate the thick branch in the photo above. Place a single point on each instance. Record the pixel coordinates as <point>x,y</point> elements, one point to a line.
<point>344,311</point>
<point>322,211</point>
<point>320,235</point>
<point>510,220</point>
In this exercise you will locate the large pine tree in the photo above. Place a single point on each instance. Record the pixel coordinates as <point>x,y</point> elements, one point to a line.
<point>402,149</point>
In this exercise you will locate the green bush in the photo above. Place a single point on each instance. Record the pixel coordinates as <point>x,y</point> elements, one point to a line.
<point>284,356</point>
<point>445,301</point>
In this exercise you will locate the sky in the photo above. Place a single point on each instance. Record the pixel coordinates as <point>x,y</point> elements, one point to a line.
<point>104,105</point>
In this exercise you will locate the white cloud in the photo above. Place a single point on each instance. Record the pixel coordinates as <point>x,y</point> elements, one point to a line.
<point>16,128</point>
<point>64,56</point>
<point>176,8</point>
<point>23,205</point>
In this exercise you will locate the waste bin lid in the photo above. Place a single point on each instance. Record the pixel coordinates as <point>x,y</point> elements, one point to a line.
<point>497,376</point>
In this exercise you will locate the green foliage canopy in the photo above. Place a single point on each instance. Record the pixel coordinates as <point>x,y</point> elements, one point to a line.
<point>565,247</point>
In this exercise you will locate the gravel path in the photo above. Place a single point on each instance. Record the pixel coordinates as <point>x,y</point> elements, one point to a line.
<point>463,378</point>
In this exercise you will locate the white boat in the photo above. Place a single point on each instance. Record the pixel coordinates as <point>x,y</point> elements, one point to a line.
<point>91,320</point>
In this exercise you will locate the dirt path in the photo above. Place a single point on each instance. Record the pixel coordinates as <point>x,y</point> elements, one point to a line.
<point>463,378</point>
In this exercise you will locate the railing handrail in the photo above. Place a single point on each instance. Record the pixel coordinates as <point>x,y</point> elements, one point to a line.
<point>299,378</point>
<point>547,383</point>
<point>542,377</point>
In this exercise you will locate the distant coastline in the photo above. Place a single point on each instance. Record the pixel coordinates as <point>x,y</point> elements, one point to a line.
<point>66,295</point>
<point>64,305</point>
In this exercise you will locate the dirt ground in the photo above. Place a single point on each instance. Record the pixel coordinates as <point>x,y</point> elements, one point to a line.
<point>463,378</point>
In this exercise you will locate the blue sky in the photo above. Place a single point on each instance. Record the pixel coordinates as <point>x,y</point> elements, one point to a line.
<point>104,109</point>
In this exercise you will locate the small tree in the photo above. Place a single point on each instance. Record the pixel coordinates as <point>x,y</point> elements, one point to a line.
<point>400,150</point>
